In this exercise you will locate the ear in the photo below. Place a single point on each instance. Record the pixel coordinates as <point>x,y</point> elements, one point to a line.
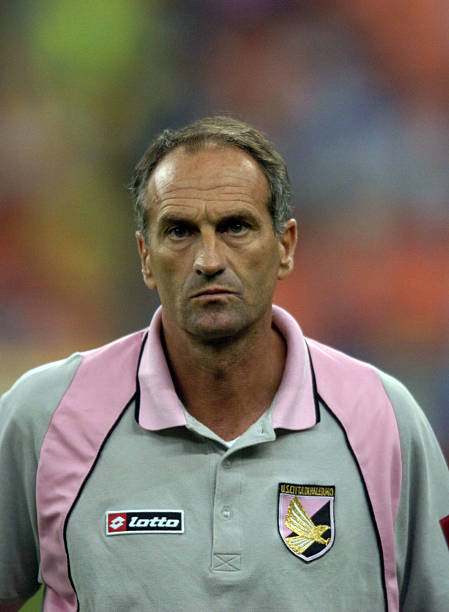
<point>145,261</point>
<point>287,245</point>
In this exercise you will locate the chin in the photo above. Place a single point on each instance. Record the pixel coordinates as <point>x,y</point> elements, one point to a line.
<point>216,326</point>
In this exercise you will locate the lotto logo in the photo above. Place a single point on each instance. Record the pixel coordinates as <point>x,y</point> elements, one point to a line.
<point>144,521</point>
<point>117,522</point>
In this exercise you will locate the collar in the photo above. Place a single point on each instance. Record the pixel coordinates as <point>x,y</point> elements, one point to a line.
<point>295,405</point>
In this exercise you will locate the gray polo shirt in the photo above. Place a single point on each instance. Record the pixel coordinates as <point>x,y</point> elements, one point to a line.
<point>117,499</point>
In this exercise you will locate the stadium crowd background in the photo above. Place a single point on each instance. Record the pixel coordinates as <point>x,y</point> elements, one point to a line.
<point>354,94</point>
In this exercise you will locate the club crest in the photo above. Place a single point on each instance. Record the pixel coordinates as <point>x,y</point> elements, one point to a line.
<point>306,519</point>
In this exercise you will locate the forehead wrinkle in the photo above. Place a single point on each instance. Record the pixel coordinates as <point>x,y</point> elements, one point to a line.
<point>185,177</point>
<point>232,183</point>
<point>244,170</point>
<point>192,196</point>
<point>180,200</point>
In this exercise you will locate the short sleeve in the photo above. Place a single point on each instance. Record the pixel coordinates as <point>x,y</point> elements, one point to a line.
<point>19,554</point>
<point>422,551</point>
<point>25,413</point>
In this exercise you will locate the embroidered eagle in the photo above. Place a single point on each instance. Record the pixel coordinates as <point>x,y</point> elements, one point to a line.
<point>298,521</point>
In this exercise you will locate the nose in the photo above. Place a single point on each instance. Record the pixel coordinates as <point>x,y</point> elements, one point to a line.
<point>209,259</point>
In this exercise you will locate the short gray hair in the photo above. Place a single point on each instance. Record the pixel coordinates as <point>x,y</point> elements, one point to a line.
<point>221,130</point>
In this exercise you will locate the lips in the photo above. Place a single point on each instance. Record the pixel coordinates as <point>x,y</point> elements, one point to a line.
<point>213,291</point>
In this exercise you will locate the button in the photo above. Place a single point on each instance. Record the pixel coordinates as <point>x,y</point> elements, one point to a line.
<point>227,464</point>
<point>226,513</point>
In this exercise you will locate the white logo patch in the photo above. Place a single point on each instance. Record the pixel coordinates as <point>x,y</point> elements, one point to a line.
<point>119,522</point>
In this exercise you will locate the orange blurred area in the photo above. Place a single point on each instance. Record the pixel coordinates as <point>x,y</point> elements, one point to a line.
<point>391,290</point>
<point>354,95</point>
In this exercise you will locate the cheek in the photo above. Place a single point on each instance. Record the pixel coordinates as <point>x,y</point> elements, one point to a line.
<point>261,271</point>
<point>171,273</point>
<point>266,260</point>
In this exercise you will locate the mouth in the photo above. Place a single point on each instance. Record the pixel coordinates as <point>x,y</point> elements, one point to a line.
<point>213,293</point>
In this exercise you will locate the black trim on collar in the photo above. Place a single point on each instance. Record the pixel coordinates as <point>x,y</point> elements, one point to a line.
<point>137,394</point>
<point>316,395</point>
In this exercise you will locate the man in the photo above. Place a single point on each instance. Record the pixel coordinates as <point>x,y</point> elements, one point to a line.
<point>217,460</point>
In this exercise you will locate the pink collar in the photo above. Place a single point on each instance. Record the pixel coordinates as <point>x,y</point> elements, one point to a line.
<point>294,405</point>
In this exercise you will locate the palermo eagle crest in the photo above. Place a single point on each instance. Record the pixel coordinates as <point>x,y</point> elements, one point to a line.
<point>306,519</point>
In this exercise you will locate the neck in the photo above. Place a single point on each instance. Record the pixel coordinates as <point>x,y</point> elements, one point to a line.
<point>227,384</point>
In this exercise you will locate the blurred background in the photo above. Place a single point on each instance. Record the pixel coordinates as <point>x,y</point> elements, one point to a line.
<point>355,96</point>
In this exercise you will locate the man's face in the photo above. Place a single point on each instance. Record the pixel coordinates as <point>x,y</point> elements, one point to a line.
<point>212,254</point>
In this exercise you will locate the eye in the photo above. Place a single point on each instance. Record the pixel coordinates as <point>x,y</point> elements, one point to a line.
<point>178,232</point>
<point>236,227</point>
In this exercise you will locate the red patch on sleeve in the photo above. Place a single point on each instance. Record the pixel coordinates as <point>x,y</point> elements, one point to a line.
<point>444,522</point>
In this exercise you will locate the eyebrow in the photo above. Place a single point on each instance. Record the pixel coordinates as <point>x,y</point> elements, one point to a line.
<point>173,219</point>
<point>178,218</point>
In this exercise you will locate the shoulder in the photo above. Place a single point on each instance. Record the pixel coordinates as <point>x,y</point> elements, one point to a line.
<point>348,382</point>
<point>26,408</point>
<point>336,360</point>
<point>402,400</point>
<point>34,397</point>
<point>345,383</point>
<point>34,380</point>
<point>348,372</point>
<point>417,435</point>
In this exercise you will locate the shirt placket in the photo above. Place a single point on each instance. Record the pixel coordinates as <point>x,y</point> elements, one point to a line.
<point>227,520</point>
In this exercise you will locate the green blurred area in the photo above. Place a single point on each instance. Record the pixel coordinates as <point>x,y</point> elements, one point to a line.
<point>33,604</point>
<point>90,53</point>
